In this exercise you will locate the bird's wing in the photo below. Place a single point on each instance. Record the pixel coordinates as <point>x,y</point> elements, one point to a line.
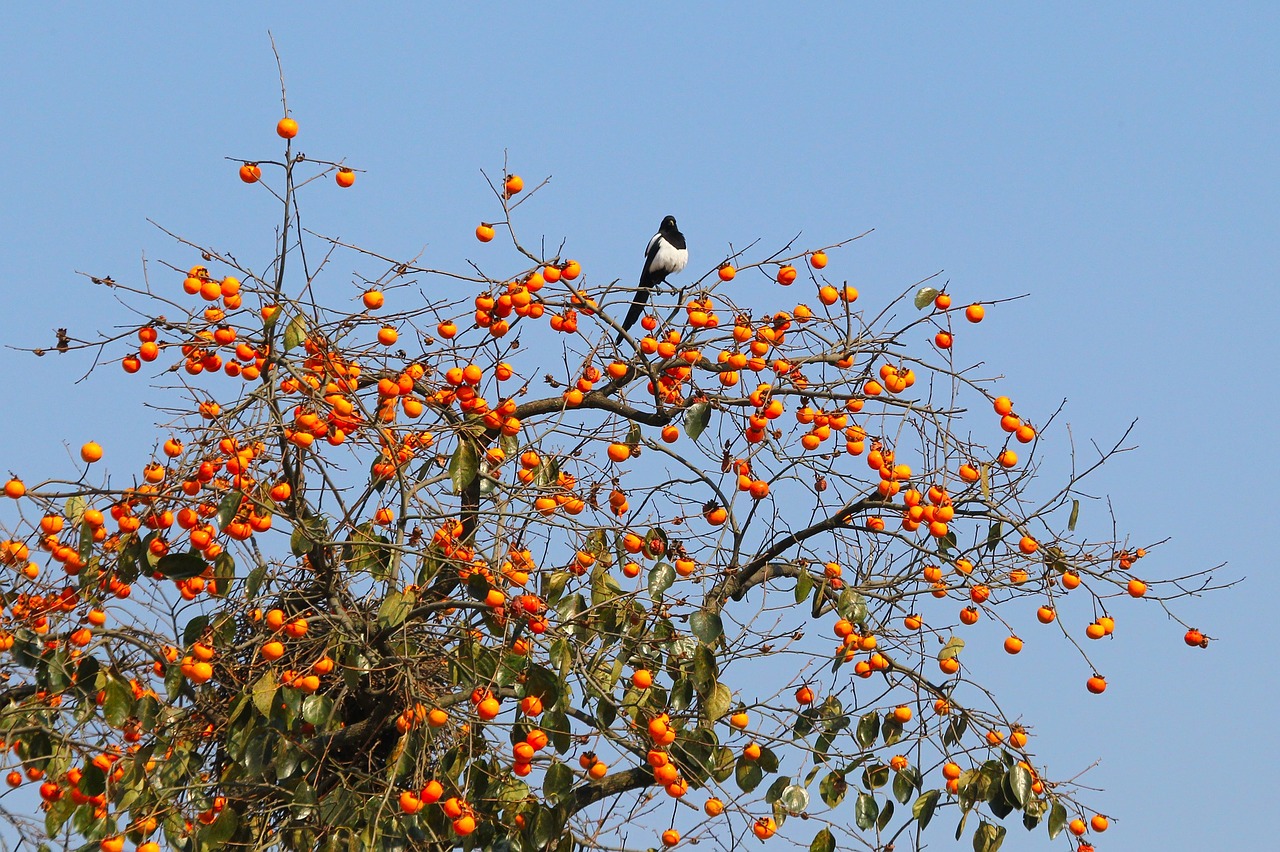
<point>651,249</point>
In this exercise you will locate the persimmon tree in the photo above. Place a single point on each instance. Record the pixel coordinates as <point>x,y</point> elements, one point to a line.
<point>438,565</point>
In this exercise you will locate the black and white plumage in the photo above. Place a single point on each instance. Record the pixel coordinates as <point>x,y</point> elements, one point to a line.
<point>665,255</point>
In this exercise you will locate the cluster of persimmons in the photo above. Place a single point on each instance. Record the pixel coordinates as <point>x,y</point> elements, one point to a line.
<point>352,491</point>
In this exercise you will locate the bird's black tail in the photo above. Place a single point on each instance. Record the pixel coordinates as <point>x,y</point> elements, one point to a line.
<point>637,308</point>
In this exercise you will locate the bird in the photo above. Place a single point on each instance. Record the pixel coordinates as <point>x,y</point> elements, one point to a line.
<point>665,255</point>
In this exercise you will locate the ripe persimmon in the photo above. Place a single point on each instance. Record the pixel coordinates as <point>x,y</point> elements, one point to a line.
<point>286,128</point>
<point>91,452</point>
<point>410,803</point>
<point>345,178</point>
<point>513,185</point>
<point>485,233</point>
<point>975,313</point>
<point>250,173</point>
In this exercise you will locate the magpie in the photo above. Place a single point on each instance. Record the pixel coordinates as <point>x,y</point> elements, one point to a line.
<point>665,254</point>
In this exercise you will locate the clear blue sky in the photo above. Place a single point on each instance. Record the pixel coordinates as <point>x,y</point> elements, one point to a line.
<point>1116,161</point>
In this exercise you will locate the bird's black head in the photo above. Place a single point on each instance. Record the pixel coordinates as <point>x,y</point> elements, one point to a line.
<point>668,224</point>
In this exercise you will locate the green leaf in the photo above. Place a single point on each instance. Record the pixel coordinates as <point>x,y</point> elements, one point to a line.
<point>316,709</point>
<point>307,533</point>
<point>891,730</point>
<point>264,692</point>
<point>905,782</point>
<point>118,704</point>
<point>681,695</point>
<point>304,799</point>
<point>867,729</point>
<point>295,332</point>
<point>875,777</point>
<point>93,782</point>
<point>994,533</point>
<point>925,296</point>
<point>220,830</point>
<point>1057,820</point>
<point>988,837</point>
<point>394,609</point>
<point>865,811</point>
<point>181,566</point>
<point>1075,516</point>
<point>254,583</point>
<point>823,841</point>
<point>661,577</point>
<point>804,585</point>
<point>558,782</point>
<point>224,573</point>
<point>86,542</point>
<point>705,671</point>
<point>696,419</point>
<point>768,760</point>
<point>227,508</point>
<point>718,703</point>
<point>748,775</point>
<point>924,806</point>
<point>1020,782</point>
<point>832,788</point>
<point>74,510</point>
<point>464,466</point>
<point>707,626</point>
<point>886,814</point>
<point>852,605</point>
<point>952,649</point>
<point>947,542</point>
<point>57,816</point>
<point>367,551</point>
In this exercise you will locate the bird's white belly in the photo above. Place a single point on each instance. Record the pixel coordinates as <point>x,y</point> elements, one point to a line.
<point>669,259</point>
